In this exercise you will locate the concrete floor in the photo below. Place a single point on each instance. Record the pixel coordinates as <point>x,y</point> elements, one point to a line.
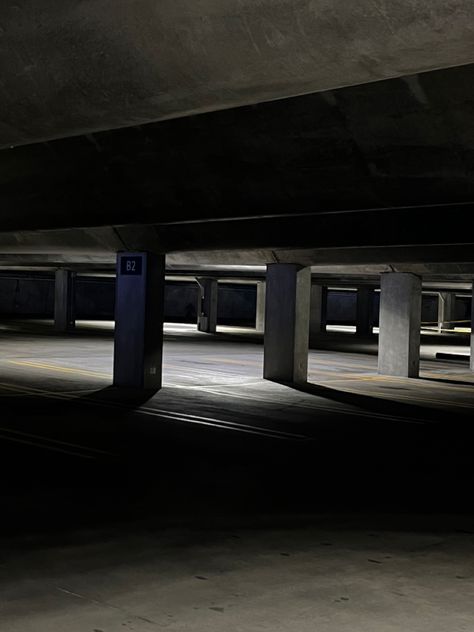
<point>230,365</point>
<point>304,578</point>
<point>227,502</point>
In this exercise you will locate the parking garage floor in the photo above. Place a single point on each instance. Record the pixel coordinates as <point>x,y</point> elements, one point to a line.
<point>228,502</point>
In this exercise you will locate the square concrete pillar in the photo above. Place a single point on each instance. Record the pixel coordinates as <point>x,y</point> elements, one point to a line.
<point>207,305</point>
<point>64,300</point>
<point>446,310</point>
<point>400,324</point>
<point>365,302</point>
<point>139,301</point>
<point>317,314</point>
<point>287,323</point>
<point>260,307</point>
<point>472,330</point>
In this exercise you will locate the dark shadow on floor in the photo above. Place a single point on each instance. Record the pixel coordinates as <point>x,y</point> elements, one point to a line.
<point>368,403</point>
<point>446,381</point>
<point>128,398</point>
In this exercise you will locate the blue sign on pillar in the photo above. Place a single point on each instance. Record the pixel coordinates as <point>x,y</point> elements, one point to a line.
<point>131,265</point>
<point>139,300</point>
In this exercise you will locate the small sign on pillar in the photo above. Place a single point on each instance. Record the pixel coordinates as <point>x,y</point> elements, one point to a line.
<point>139,320</point>
<point>131,265</point>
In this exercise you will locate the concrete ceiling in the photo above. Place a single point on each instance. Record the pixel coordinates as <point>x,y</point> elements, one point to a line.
<point>75,67</point>
<point>386,145</point>
<point>378,174</point>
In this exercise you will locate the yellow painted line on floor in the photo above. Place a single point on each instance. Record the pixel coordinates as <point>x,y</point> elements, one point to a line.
<point>61,369</point>
<point>331,379</point>
<point>413,399</point>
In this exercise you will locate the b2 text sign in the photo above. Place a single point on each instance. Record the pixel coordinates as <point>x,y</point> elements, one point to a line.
<point>131,266</point>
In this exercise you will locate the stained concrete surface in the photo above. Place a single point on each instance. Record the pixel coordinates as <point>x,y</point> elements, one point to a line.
<point>278,158</point>
<point>87,68</point>
<point>225,501</point>
<point>243,578</point>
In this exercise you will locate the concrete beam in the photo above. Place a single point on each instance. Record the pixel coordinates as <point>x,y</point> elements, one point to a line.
<point>211,56</point>
<point>287,323</point>
<point>139,302</point>
<point>328,245</point>
<point>400,324</point>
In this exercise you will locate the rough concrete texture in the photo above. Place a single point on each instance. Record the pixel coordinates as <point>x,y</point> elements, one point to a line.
<point>365,311</point>
<point>446,310</point>
<point>92,66</point>
<point>207,304</point>
<point>472,331</point>
<point>260,306</point>
<point>400,322</point>
<point>243,579</point>
<point>139,303</point>
<point>318,312</point>
<point>287,312</point>
<point>401,142</point>
<point>226,502</point>
<point>64,299</point>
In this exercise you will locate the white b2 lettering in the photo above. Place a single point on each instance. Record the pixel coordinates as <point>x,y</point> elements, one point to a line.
<point>131,266</point>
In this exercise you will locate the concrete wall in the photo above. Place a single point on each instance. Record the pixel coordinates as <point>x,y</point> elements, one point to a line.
<point>235,306</point>
<point>95,298</point>
<point>19,296</point>
<point>429,309</point>
<point>463,310</point>
<point>342,307</point>
<point>26,296</point>
<point>22,296</point>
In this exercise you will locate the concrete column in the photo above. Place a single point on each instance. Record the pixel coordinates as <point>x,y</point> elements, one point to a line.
<point>287,323</point>
<point>472,330</point>
<point>260,307</point>
<point>365,298</point>
<point>324,313</point>
<point>446,310</point>
<point>400,324</point>
<point>317,314</point>
<point>139,301</point>
<point>207,305</point>
<point>64,300</point>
